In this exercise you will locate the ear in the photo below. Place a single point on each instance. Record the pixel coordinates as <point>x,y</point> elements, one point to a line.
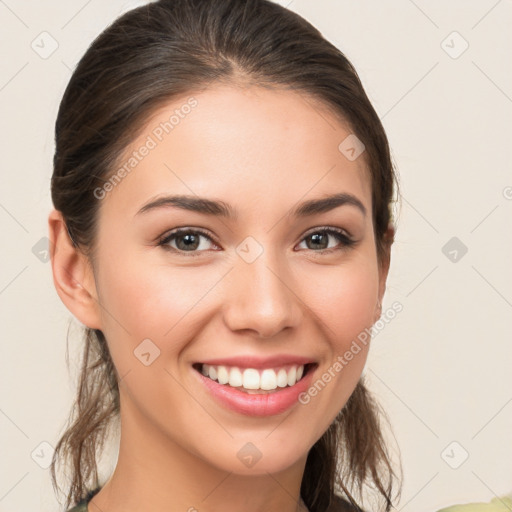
<point>73,275</point>
<point>384,269</point>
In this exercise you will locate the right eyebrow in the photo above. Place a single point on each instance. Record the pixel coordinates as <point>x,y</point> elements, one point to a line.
<point>191,203</point>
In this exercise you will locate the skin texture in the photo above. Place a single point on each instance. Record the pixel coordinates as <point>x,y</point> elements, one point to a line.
<point>262,151</point>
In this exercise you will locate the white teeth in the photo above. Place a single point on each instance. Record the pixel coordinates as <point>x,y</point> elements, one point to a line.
<point>282,378</point>
<point>235,377</point>
<point>268,379</point>
<point>252,379</point>
<point>292,376</point>
<point>212,372</point>
<point>222,375</point>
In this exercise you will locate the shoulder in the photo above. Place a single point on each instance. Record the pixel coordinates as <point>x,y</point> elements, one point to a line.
<point>339,504</point>
<point>497,504</point>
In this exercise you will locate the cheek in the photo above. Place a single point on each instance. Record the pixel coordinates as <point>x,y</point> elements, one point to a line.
<point>150,301</point>
<point>344,299</point>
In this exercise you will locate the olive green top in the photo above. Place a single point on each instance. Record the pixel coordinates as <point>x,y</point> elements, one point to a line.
<point>498,504</point>
<point>82,506</point>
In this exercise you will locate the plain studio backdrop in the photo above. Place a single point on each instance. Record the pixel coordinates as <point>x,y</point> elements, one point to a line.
<point>439,75</point>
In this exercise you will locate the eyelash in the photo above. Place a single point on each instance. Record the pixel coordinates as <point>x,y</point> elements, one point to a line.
<point>346,241</point>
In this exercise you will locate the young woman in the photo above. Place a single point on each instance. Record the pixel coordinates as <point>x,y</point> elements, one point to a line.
<point>222,228</point>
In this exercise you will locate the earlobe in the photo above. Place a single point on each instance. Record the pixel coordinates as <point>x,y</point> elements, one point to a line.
<point>72,274</point>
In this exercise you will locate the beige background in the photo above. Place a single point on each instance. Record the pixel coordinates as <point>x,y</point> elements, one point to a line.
<point>442,367</point>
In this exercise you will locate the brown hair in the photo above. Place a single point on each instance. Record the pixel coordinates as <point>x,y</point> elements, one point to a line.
<point>144,59</point>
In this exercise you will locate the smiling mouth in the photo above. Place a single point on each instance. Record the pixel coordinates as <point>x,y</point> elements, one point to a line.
<point>255,381</point>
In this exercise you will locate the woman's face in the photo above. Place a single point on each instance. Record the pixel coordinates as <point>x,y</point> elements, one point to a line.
<point>266,282</point>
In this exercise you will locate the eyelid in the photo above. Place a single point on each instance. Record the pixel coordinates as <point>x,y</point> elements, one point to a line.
<point>326,228</point>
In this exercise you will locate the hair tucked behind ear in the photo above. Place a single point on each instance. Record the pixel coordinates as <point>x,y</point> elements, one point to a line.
<point>146,58</point>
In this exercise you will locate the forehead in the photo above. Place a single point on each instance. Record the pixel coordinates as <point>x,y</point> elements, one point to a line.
<point>252,146</point>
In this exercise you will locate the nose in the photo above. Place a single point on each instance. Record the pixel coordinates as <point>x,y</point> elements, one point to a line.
<point>260,297</point>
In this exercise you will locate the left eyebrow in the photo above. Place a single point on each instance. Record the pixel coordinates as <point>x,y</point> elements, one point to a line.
<point>325,204</point>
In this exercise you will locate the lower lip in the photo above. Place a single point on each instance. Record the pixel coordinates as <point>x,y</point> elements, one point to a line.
<point>267,404</point>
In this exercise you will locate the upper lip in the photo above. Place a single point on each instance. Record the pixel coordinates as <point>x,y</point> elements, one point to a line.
<point>249,361</point>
